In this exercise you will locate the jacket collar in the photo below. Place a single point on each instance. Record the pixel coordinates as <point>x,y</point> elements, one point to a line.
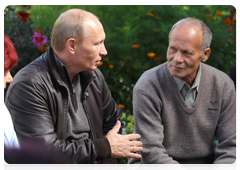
<point>86,77</point>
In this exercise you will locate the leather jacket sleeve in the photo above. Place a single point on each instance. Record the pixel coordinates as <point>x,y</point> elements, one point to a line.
<point>111,111</point>
<point>29,103</point>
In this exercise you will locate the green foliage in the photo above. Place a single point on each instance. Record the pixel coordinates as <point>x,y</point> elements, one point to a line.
<point>127,25</point>
<point>20,33</point>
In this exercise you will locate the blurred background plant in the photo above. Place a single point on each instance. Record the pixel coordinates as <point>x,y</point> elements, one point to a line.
<point>20,28</point>
<point>136,39</point>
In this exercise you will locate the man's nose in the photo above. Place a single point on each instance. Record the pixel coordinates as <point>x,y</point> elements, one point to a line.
<point>103,51</point>
<point>178,57</point>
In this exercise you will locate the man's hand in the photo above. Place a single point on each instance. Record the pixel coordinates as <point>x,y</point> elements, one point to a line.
<point>122,145</point>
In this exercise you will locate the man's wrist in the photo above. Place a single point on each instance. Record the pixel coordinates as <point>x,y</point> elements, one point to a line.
<point>102,148</point>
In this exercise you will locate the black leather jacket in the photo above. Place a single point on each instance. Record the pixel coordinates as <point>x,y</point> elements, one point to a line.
<point>38,103</point>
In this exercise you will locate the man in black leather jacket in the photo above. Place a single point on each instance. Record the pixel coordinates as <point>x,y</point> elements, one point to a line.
<point>62,101</point>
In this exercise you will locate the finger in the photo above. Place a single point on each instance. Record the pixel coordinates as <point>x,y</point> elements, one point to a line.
<point>117,126</point>
<point>135,143</point>
<point>134,155</point>
<point>133,136</point>
<point>136,149</point>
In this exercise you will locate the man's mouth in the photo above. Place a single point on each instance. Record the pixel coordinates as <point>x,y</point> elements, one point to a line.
<point>176,67</point>
<point>98,61</point>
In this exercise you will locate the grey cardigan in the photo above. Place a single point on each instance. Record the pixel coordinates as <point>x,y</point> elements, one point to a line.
<point>173,132</point>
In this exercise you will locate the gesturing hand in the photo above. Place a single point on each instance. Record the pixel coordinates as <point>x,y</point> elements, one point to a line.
<point>122,145</point>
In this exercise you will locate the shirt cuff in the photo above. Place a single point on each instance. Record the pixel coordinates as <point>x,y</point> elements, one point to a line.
<point>102,148</point>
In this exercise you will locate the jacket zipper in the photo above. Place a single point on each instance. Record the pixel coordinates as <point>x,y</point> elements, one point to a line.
<point>89,121</point>
<point>85,109</point>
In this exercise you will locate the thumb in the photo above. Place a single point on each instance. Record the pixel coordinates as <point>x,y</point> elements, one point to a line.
<point>117,126</point>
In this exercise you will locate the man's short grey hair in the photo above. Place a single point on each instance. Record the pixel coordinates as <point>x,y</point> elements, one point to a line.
<point>69,25</point>
<point>206,32</point>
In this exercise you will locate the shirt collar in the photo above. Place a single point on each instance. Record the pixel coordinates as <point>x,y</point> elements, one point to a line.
<point>62,69</point>
<point>58,62</point>
<point>180,83</point>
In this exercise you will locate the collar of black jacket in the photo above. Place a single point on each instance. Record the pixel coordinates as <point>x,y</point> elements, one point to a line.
<point>86,77</point>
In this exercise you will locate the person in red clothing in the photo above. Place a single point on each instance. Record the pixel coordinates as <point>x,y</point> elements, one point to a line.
<point>10,60</point>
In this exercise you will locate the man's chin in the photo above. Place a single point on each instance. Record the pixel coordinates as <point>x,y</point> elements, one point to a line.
<point>177,75</point>
<point>93,68</point>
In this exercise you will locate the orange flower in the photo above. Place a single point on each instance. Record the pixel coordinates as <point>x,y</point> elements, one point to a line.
<point>134,46</point>
<point>151,55</point>
<point>228,21</point>
<point>150,14</point>
<point>128,70</point>
<point>121,106</point>
<point>106,59</point>
<point>126,27</point>
<point>38,31</point>
<point>219,13</point>
<point>209,16</point>
<point>100,63</point>
<point>110,66</point>
<point>157,58</point>
<point>42,48</point>
<point>156,30</point>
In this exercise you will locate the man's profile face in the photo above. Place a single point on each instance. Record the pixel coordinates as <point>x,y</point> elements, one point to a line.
<point>184,53</point>
<point>89,52</point>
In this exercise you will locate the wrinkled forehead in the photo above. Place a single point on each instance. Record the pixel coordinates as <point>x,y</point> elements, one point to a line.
<point>187,32</point>
<point>186,38</point>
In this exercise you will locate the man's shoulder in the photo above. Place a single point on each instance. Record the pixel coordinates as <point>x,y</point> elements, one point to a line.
<point>215,73</point>
<point>154,72</point>
<point>216,77</point>
<point>32,71</point>
<point>152,77</point>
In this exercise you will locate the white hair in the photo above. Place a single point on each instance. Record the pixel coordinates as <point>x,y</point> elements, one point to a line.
<point>206,32</point>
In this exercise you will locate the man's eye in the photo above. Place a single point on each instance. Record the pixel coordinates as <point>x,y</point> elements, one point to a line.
<point>173,49</point>
<point>186,52</point>
<point>99,43</point>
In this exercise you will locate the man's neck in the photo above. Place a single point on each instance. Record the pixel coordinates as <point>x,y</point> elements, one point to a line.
<point>70,67</point>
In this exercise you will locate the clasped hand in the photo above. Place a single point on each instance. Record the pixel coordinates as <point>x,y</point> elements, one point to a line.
<point>122,145</point>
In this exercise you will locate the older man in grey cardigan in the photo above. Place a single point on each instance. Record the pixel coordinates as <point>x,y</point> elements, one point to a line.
<point>179,106</point>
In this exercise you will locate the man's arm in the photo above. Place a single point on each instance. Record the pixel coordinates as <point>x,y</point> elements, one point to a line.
<point>121,145</point>
<point>225,151</point>
<point>34,120</point>
<point>148,123</point>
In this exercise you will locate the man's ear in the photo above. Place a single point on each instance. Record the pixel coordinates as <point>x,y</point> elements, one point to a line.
<point>71,45</point>
<point>206,54</point>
